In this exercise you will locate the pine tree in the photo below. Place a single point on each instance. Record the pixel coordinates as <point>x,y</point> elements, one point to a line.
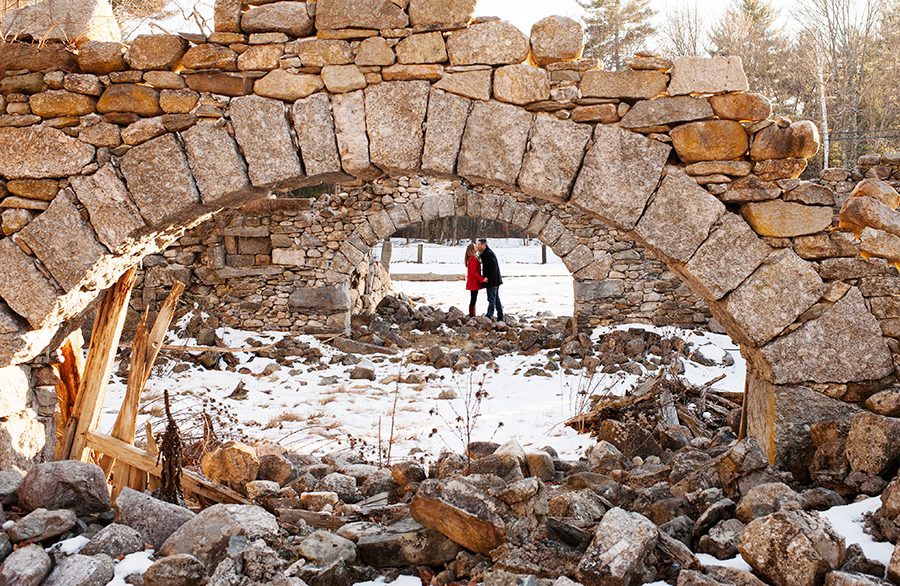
<point>615,29</point>
<point>750,29</point>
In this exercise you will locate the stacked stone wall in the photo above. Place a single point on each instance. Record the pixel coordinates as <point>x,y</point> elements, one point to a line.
<point>108,153</point>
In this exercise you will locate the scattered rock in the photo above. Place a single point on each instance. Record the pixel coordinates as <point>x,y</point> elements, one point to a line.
<point>68,484</point>
<point>154,519</point>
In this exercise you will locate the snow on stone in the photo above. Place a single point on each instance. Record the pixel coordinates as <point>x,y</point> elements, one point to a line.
<point>133,563</point>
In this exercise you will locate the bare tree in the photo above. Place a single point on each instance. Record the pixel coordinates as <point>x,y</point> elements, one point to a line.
<point>845,34</point>
<point>683,34</point>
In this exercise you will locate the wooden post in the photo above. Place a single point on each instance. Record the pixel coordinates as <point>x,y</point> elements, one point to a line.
<point>543,254</point>
<point>105,336</point>
<point>144,351</point>
<point>421,253</point>
<point>69,372</point>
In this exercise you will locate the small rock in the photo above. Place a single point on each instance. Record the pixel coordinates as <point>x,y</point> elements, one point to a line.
<point>26,566</point>
<point>176,570</point>
<point>323,547</point>
<point>114,540</point>
<point>68,484</point>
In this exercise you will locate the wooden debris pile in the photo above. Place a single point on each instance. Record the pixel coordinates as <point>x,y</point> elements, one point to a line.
<point>664,400</point>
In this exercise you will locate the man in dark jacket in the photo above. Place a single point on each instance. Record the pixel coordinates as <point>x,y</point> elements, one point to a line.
<point>490,269</point>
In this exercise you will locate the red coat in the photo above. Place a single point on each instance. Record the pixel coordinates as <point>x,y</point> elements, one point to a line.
<point>474,279</point>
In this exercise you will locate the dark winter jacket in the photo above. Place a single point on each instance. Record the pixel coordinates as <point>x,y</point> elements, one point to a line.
<point>490,269</point>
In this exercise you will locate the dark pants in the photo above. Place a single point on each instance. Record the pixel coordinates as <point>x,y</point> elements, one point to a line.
<point>493,295</point>
<point>473,297</point>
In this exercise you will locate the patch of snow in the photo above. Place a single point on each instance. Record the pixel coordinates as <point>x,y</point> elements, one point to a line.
<point>69,546</point>
<point>400,581</point>
<point>8,524</point>
<point>736,562</point>
<point>133,563</point>
<point>848,522</point>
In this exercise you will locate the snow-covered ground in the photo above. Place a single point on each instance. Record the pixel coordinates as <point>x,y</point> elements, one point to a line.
<point>318,409</point>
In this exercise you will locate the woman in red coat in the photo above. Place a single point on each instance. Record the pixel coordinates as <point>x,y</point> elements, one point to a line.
<point>474,280</point>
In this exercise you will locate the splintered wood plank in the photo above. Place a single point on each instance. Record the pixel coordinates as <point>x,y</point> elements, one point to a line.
<point>105,336</point>
<point>144,352</point>
<point>191,481</point>
<point>69,372</point>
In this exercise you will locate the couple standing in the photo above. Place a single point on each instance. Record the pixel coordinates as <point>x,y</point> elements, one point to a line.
<point>483,272</point>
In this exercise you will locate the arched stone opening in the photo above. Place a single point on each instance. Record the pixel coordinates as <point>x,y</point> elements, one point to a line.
<point>721,209</point>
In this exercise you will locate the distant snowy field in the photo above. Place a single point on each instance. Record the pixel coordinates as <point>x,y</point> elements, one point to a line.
<point>529,287</point>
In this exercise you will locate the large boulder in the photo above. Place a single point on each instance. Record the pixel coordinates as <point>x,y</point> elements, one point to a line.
<point>371,14</point>
<point>620,551</point>
<point>556,38</point>
<point>495,42</point>
<point>176,570</point>
<point>40,151</point>
<point>521,84</point>
<point>459,510</point>
<point>873,444</point>
<point>707,75</point>
<point>154,519</point>
<point>206,536</point>
<point>72,21</point>
<point>68,484</point>
<point>150,52</point>
<point>799,140</point>
<point>406,543</point>
<point>41,524</point>
<point>115,540</point>
<point>233,464</point>
<point>291,18</point>
<point>792,548</point>
<point>81,570</point>
<point>445,14</point>
<point>766,499</point>
<point>710,140</point>
<point>782,219</point>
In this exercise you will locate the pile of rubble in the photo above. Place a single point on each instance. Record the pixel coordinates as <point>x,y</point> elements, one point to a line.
<point>628,512</point>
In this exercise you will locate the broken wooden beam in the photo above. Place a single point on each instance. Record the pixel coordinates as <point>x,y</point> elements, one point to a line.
<point>191,481</point>
<point>105,336</point>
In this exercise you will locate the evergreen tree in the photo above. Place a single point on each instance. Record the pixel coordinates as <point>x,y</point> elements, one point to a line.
<point>615,29</point>
<point>750,29</point>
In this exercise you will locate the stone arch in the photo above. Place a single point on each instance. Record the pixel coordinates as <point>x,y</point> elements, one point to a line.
<point>584,264</point>
<point>677,156</point>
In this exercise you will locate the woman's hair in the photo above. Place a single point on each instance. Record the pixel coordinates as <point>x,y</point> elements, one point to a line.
<point>470,251</point>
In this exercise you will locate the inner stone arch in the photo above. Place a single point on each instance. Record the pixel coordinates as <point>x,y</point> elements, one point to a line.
<point>273,265</point>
